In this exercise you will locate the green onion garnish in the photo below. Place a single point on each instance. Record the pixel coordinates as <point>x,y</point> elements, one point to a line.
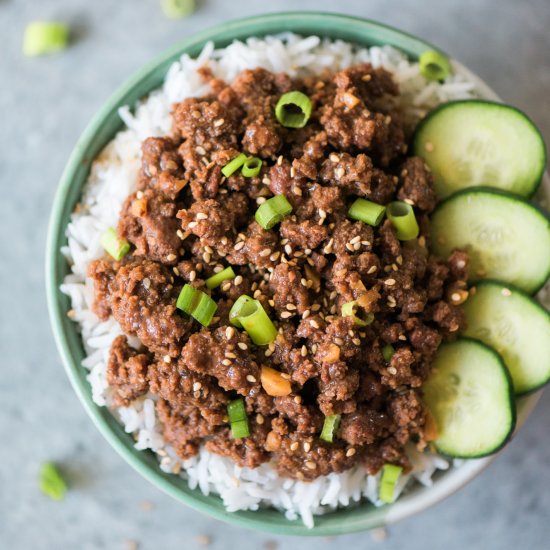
<point>387,352</point>
<point>293,109</point>
<point>330,427</point>
<point>196,303</point>
<point>349,309</point>
<point>367,212</point>
<point>241,306</point>
<point>403,219</point>
<point>434,65</point>
<point>272,211</point>
<point>117,248</point>
<point>390,475</point>
<point>51,482</point>
<point>233,165</point>
<point>42,38</point>
<point>238,419</point>
<point>251,167</point>
<point>218,278</point>
<point>250,315</point>
<point>176,9</point>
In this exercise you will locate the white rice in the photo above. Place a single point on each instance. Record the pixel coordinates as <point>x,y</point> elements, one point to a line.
<point>113,177</point>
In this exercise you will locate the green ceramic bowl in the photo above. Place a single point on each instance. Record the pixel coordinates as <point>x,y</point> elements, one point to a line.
<point>99,132</point>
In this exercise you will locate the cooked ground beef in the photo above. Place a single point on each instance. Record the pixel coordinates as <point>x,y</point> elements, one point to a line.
<point>187,220</point>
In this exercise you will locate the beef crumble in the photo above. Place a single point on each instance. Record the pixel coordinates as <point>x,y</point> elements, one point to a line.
<point>186,221</point>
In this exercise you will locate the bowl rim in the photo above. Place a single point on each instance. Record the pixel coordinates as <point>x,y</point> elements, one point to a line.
<point>342,521</point>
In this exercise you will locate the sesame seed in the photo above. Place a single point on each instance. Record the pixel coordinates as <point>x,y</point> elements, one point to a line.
<point>300,476</point>
<point>356,341</point>
<point>506,292</point>
<point>147,283</point>
<point>171,257</point>
<point>229,332</point>
<point>176,271</point>
<point>350,247</point>
<point>285,376</point>
<point>207,257</point>
<point>314,323</point>
<point>339,172</point>
<point>303,351</point>
<point>139,194</point>
<point>334,157</point>
<point>286,314</point>
<point>315,307</point>
<point>280,160</point>
<point>322,213</point>
<point>268,353</point>
<point>226,362</point>
<point>201,216</point>
<point>355,239</point>
<point>339,341</point>
<point>429,146</point>
<point>259,419</point>
<point>392,370</point>
<point>294,446</point>
<point>242,345</point>
<point>350,452</point>
<point>409,201</point>
<point>291,307</point>
<point>314,348</point>
<point>238,280</point>
<point>197,386</point>
<point>226,286</point>
<point>192,225</point>
<point>239,245</point>
<point>307,446</point>
<point>357,246</point>
<point>265,252</point>
<point>250,378</point>
<point>288,249</point>
<point>311,465</point>
<point>260,200</point>
<point>275,256</point>
<point>389,282</point>
<point>167,359</point>
<point>402,337</point>
<point>219,122</point>
<point>306,314</point>
<point>257,294</point>
<point>455,296</point>
<point>391,301</point>
<point>297,191</point>
<point>271,303</point>
<point>298,399</point>
<point>200,150</point>
<point>230,355</point>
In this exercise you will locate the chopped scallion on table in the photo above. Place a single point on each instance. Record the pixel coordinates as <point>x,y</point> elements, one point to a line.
<point>272,211</point>
<point>350,309</point>
<point>330,427</point>
<point>218,278</point>
<point>401,214</point>
<point>115,247</point>
<point>238,418</point>
<point>233,165</point>
<point>177,9</point>
<point>197,303</point>
<point>388,481</point>
<point>251,167</point>
<point>52,483</point>
<point>293,109</point>
<point>434,65</point>
<point>42,38</point>
<point>367,212</point>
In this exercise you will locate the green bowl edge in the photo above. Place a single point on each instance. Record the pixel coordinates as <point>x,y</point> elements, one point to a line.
<point>97,134</point>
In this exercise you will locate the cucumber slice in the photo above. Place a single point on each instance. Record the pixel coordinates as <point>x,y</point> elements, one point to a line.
<point>516,326</point>
<point>469,394</point>
<point>508,238</point>
<point>473,142</point>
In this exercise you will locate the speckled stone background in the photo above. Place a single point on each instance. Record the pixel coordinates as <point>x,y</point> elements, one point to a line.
<point>44,106</point>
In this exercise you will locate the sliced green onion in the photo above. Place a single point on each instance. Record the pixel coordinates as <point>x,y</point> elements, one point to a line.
<point>233,165</point>
<point>51,482</point>
<point>218,278</point>
<point>434,65</point>
<point>42,38</point>
<point>293,109</point>
<point>349,309</point>
<point>403,219</point>
<point>197,303</point>
<point>390,475</point>
<point>250,315</point>
<point>330,427</point>
<point>367,212</point>
<point>272,211</point>
<point>251,167</point>
<point>238,418</point>
<point>177,9</point>
<point>117,248</point>
<point>242,306</point>
<point>387,352</point>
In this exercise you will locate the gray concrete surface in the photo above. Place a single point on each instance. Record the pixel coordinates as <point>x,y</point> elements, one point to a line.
<point>44,105</point>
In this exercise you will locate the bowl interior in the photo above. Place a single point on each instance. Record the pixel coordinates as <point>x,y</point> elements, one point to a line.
<point>100,131</point>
